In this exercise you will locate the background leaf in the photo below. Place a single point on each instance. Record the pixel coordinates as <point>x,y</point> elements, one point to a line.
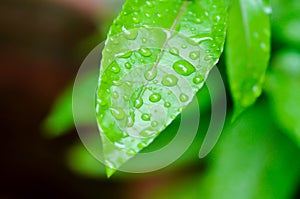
<point>253,160</point>
<point>247,50</point>
<point>148,75</point>
<point>282,86</point>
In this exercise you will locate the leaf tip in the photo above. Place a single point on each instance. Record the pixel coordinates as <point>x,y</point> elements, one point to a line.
<point>110,171</point>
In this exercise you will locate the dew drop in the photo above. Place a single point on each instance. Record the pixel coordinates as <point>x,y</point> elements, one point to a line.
<point>183,67</point>
<point>131,152</point>
<point>144,40</point>
<point>130,120</point>
<point>115,94</point>
<point>169,80</point>
<point>167,104</point>
<point>138,103</point>
<point>155,97</point>
<point>127,65</point>
<point>126,98</point>
<point>184,46</point>
<point>130,34</point>
<point>146,52</point>
<point>147,14</point>
<point>146,117</point>
<point>198,79</point>
<point>125,54</point>
<point>194,55</point>
<point>174,51</point>
<point>135,20</point>
<point>117,113</point>
<point>150,74</point>
<point>183,97</point>
<point>115,68</point>
<point>146,133</point>
<point>197,20</point>
<point>154,124</point>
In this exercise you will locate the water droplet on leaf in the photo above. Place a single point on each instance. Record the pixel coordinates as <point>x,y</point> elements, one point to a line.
<point>183,67</point>
<point>169,80</point>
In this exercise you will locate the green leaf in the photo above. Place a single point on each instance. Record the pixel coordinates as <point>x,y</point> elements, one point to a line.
<point>282,86</point>
<point>247,50</point>
<point>253,160</point>
<point>60,119</point>
<point>157,55</point>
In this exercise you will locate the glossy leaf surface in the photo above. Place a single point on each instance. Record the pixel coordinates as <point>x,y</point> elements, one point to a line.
<point>157,56</point>
<point>247,50</point>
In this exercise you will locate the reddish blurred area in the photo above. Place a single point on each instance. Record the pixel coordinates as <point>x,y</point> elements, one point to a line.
<point>39,56</point>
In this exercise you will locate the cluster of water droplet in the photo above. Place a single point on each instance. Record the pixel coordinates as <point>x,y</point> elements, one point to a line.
<point>149,74</point>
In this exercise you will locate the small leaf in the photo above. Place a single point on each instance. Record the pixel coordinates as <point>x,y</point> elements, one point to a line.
<point>157,55</point>
<point>282,86</point>
<point>247,50</point>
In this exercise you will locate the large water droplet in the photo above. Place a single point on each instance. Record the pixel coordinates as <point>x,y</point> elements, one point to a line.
<point>146,52</point>
<point>130,34</point>
<point>169,80</point>
<point>150,74</point>
<point>183,97</point>
<point>125,54</point>
<point>155,97</point>
<point>183,67</point>
<point>146,117</point>
<point>118,113</point>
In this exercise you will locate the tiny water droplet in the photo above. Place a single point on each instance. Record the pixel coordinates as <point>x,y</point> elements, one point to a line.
<point>146,117</point>
<point>183,67</point>
<point>130,120</point>
<point>197,20</point>
<point>126,98</point>
<point>174,51</point>
<point>167,104</point>
<point>194,55</point>
<point>154,124</point>
<point>138,103</point>
<point>198,79</point>
<point>146,52</point>
<point>118,113</point>
<point>183,97</point>
<point>184,46</point>
<point>128,65</point>
<point>147,14</point>
<point>169,80</point>
<point>155,97</point>
<point>135,20</point>
<point>115,68</point>
<point>115,94</point>
<point>131,152</point>
<point>150,74</point>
